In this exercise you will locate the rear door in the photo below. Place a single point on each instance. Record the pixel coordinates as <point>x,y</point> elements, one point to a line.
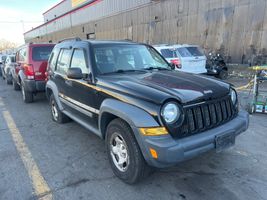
<point>193,60</point>
<point>38,58</point>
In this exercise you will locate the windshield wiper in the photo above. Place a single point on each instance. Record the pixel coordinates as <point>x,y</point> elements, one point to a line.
<point>158,68</point>
<point>123,71</point>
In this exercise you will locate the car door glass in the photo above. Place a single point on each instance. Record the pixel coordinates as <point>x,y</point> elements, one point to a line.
<point>63,61</point>
<point>78,60</point>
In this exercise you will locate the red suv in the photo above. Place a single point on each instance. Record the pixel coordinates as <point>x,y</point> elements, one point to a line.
<point>29,74</point>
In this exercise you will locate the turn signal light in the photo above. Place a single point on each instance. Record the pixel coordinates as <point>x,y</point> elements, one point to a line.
<point>153,153</point>
<point>154,131</point>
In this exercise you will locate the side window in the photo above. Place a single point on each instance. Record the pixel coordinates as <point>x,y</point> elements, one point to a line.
<point>22,54</point>
<point>63,61</point>
<point>78,60</point>
<point>53,59</point>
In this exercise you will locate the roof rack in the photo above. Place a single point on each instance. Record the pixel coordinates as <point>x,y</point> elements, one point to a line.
<point>70,39</point>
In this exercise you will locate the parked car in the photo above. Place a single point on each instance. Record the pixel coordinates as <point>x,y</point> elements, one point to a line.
<point>187,58</point>
<point>216,66</point>
<point>7,67</point>
<point>148,114</point>
<point>2,60</point>
<point>29,73</point>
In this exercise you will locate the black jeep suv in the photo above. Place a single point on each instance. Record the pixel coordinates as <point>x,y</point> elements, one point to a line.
<point>148,114</point>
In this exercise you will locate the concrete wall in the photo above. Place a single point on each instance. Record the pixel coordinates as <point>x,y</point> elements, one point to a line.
<point>236,28</point>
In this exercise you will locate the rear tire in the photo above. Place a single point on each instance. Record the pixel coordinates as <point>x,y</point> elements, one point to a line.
<point>27,96</point>
<point>124,154</point>
<point>15,85</point>
<point>57,115</point>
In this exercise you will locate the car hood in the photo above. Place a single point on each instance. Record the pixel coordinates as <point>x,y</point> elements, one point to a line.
<point>157,86</point>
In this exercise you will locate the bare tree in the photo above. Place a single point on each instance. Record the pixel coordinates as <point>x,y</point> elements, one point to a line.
<point>5,45</point>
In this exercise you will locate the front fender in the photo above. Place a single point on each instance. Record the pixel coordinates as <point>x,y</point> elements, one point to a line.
<point>133,115</point>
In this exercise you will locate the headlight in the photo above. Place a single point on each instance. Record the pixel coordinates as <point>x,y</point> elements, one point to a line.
<point>170,112</point>
<point>233,96</point>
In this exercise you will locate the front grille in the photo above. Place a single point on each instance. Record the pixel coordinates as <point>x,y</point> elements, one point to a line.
<point>204,116</point>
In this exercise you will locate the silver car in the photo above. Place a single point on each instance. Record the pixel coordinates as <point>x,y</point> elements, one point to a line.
<point>6,68</point>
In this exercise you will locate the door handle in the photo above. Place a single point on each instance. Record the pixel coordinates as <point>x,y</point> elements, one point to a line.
<point>68,82</point>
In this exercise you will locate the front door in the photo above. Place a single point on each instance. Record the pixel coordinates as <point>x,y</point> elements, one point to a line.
<point>79,94</point>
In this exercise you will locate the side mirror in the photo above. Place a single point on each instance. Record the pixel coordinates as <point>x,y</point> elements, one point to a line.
<point>74,73</point>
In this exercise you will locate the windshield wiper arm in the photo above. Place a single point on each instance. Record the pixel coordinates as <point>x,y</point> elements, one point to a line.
<point>123,71</point>
<point>158,68</point>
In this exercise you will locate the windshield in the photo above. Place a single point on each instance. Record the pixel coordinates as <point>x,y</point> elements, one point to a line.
<point>190,51</point>
<point>116,58</point>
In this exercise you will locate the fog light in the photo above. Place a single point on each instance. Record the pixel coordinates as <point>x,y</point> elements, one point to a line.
<point>155,131</point>
<point>153,153</point>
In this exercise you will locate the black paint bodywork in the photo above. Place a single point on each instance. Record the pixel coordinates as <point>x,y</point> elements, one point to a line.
<point>148,90</point>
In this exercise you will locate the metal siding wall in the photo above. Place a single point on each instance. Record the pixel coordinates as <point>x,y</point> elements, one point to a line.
<point>236,28</point>
<point>59,10</point>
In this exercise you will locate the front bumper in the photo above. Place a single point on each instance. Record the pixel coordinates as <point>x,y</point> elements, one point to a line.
<point>172,151</point>
<point>34,86</point>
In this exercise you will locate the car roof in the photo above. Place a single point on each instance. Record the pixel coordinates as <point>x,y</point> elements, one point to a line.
<point>67,42</point>
<point>167,46</point>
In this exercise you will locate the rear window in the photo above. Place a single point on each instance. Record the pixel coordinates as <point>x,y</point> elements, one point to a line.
<point>190,51</point>
<point>169,53</point>
<point>41,53</point>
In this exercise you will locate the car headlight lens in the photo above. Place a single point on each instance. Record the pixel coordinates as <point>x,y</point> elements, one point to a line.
<point>233,96</point>
<point>170,112</point>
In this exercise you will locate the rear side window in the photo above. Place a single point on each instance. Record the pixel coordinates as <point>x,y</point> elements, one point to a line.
<point>78,60</point>
<point>22,54</point>
<point>41,53</point>
<point>169,53</point>
<point>63,61</point>
<point>190,51</point>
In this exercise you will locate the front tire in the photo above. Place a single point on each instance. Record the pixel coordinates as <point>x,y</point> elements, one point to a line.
<point>27,96</point>
<point>124,154</point>
<point>57,115</point>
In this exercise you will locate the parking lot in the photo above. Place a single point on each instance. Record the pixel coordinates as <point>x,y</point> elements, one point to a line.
<point>69,163</point>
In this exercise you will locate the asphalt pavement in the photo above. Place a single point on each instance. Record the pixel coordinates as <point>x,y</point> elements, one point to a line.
<point>40,159</point>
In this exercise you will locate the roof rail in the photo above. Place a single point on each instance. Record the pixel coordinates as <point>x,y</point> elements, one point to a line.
<point>70,39</point>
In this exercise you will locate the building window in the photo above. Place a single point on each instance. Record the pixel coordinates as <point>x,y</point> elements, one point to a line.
<point>90,36</point>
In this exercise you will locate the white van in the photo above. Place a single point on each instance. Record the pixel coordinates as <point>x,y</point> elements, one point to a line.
<point>187,58</point>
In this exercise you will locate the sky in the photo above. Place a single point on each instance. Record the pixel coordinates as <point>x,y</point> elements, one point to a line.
<point>19,16</point>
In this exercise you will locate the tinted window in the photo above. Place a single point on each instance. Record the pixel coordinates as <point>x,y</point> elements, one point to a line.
<point>169,53</point>
<point>41,53</point>
<point>190,51</point>
<point>78,60</point>
<point>63,61</point>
